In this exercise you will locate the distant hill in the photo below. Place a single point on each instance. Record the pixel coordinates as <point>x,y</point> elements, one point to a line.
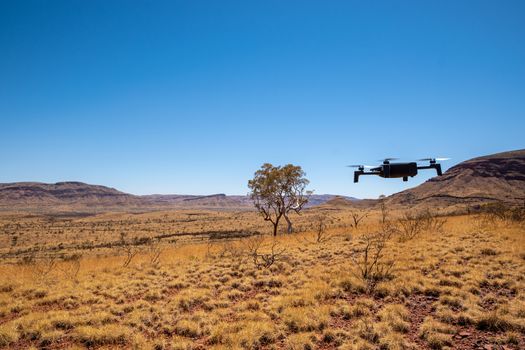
<point>220,201</point>
<point>225,201</point>
<point>78,196</point>
<point>496,177</point>
<point>61,195</point>
<point>339,201</point>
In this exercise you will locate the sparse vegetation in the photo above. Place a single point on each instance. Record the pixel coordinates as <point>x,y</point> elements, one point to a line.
<point>459,287</point>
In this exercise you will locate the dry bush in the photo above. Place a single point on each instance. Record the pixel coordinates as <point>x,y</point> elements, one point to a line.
<point>320,224</point>
<point>517,214</point>
<point>263,255</point>
<point>210,245</point>
<point>409,226</point>
<point>370,258</point>
<point>230,249</point>
<point>70,266</point>
<point>130,252</point>
<point>155,250</point>
<point>357,217</point>
<point>495,212</point>
<point>432,222</point>
<point>39,268</point>
<point>481,222</point>
<point>498,212</point>
<point>384,211</point>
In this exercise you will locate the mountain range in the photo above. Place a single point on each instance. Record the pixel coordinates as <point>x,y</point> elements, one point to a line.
<point>496,177</point>
<point>78,196</point>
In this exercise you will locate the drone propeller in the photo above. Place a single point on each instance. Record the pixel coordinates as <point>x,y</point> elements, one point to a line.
<point>432,159</point>
<point>360,166</point>
<point>387,160</point>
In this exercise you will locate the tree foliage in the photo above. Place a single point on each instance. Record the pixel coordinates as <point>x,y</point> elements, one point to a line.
<point>277,191</point>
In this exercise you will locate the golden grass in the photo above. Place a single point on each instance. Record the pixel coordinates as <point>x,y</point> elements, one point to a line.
<point>467,278</point>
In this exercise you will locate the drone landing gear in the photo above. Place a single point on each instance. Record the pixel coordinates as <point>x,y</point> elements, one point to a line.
<point>405,178</point>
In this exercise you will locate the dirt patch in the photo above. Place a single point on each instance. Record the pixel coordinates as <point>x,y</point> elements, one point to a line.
<point>472,338</point>
<point>419,306</point>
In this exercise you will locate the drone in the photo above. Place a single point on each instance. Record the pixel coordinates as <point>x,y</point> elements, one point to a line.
<point>397,170</point>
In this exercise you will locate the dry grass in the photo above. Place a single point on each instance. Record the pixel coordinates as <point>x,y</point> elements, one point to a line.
<point>458,288</point>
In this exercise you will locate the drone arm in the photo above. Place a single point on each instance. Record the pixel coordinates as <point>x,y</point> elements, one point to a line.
<point>358,173</point>
<point>432,166</point>
<point>438,169</point>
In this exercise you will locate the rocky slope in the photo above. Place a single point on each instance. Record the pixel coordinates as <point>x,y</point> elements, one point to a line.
<point>496,177</point>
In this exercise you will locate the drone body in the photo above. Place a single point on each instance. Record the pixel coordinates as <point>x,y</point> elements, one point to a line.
<point>397,170</point>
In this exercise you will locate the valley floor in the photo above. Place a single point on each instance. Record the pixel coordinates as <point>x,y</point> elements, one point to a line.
<point>459,287</point>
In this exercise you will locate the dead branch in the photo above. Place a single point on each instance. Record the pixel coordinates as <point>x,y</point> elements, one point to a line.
<point>370,259</point>
<point>131,252</point>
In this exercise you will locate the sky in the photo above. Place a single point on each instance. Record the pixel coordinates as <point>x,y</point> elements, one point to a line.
<point>192,97</point>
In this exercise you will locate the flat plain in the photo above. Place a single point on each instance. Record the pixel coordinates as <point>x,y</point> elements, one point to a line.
<point>216,280</point>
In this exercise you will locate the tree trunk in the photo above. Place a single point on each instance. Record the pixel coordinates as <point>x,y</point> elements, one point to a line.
<point>276,225</point>
<point>290,228</point>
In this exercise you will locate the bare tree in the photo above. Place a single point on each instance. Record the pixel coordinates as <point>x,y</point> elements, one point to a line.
<point>263,256</point>
<point>357,217</point>
<point>130,254</point>
<point>276,191</point>
<point>384,210</point>
<point>155,251</point>
<point>321,223</point>
<point>370,258</point>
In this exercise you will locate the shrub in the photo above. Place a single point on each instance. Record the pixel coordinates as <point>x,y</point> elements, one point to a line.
<point>488,252</point>
<point>257,334</point>
<point>305,319</point>
<point>493,321</point>
<point>8,334</point>
<point>300,341</point>
<point>438,335</point>
<point>370,259</point>
<point>188,329</point>
<point>396,317</point>
<point>107,335</point>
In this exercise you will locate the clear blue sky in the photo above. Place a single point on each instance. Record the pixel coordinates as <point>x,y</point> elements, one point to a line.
<point>193,96</point>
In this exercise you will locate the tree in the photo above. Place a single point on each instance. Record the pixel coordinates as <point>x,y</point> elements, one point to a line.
<point>276,191</point>
<point>384,210</point>
<point>357,217</point>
